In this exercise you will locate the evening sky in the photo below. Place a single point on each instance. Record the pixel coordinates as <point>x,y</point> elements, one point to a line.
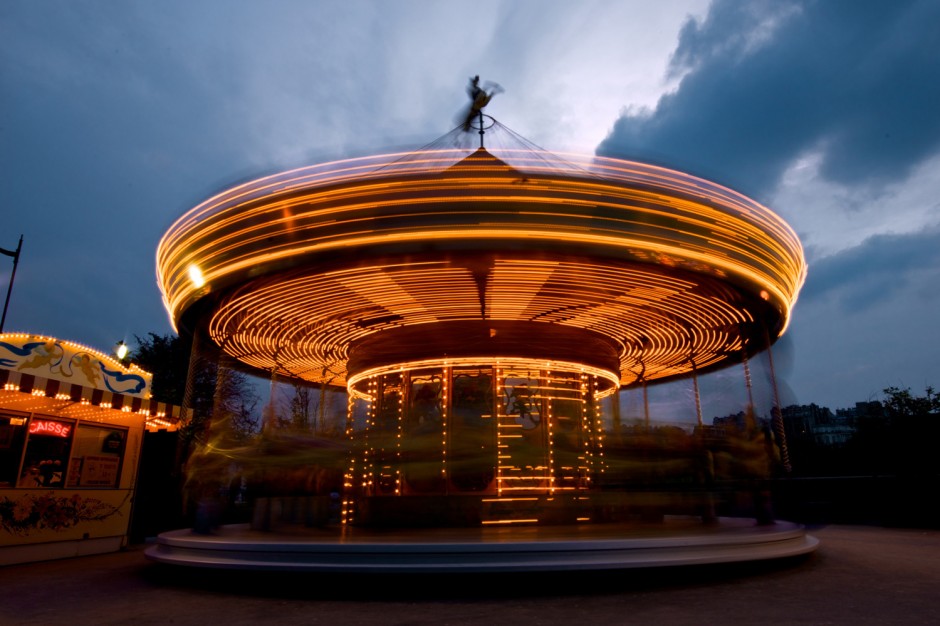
<point>116,117</point>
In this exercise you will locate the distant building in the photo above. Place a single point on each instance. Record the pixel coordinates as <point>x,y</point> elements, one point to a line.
<point>833,435</point>
<point>735,420</point>
<point>807,423</point>
<point>861,410</point>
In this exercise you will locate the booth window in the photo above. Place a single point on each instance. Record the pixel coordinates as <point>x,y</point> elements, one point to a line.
<point>47,452</point>
<point>12,438</point>
<point>97,456</point>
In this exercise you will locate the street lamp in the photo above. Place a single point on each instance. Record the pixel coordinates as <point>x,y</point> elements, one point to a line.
<point>16,259</point>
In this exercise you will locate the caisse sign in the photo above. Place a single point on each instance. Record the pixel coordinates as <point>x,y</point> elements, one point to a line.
<point>48,427</point>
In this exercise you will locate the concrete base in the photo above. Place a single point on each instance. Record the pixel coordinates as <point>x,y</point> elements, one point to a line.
<point>675,541</point>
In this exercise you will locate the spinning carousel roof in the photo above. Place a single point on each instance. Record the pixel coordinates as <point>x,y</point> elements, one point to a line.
<point>473,252</point>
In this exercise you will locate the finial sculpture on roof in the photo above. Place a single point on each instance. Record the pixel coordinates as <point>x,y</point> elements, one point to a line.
<point>479,98</point>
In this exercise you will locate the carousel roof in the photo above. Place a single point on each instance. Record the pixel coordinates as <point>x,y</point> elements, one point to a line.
<point>469,251</point>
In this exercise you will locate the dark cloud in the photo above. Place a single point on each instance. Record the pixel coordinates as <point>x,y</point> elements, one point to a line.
<point>878,269</point>
<point>766,82</point>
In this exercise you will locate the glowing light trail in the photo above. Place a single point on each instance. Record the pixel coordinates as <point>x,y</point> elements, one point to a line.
<point>298,268</point>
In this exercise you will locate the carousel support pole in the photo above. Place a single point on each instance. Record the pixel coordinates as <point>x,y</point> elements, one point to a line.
<point>191,373</point>
<point>616,420</point>
<point>777,419</point>
<point>706,458</point>
<point>206,474</point>
<point>747,373</point>
<point>321,410</point>
<point>747,383</point>
<point>186,431</point>
<point>695,390</point>
<point>698,397</point>
<point>268,423</point>
<point>644,342</point>
<point>188,413</point>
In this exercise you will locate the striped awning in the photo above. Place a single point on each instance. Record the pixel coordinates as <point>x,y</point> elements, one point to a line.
<point>30,393</point>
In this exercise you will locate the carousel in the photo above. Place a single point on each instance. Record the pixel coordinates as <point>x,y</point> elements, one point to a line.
<point>481,305</point>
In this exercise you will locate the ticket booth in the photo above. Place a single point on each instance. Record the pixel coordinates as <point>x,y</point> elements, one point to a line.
<point>72,422</point>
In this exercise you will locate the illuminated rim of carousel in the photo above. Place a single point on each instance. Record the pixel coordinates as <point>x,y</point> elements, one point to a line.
<point>333,272</point>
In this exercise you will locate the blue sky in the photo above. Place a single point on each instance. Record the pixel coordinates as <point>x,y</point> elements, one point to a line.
<point>116,117</point>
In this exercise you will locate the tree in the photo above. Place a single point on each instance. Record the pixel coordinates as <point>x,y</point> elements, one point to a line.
<point>914,429</point>
<point>308,408</point>
<point>900,403</point>
<point>169,359</point>
<point>237,402</point>
<point>300,407</point>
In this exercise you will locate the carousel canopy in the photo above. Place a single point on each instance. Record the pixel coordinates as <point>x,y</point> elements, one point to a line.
<point>476,252</point>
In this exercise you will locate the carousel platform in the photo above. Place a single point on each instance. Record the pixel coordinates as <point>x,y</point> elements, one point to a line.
<point>674,541</point>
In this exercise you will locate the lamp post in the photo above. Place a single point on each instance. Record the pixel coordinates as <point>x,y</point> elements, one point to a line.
<point>16,259</point>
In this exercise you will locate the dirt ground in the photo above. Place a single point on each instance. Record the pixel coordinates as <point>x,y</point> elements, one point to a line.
<point>859,575</point>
